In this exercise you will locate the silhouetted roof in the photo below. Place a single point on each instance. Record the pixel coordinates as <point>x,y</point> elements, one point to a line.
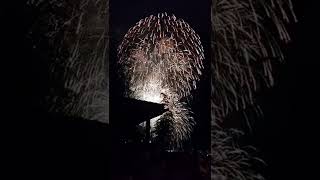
<point>133,112</point>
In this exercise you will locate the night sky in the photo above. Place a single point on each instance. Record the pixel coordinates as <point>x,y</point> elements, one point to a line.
<point>286,137</point>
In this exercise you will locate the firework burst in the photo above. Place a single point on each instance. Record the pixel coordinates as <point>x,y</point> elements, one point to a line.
<point>161,60</point>
<point>161,54</point>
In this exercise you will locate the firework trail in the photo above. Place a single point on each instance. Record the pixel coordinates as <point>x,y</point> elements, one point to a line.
<point>161,61</point>
<point>243,50</point>
<point>174,125</point>
<point>73,35</point>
